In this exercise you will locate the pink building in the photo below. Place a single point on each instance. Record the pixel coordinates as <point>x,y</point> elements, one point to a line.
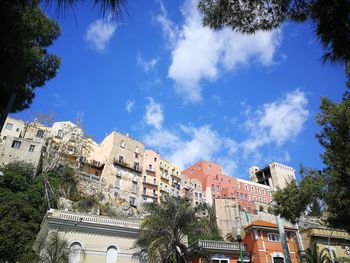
<point>217,185</point>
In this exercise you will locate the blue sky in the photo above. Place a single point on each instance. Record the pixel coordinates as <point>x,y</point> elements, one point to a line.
<point>191,93</point>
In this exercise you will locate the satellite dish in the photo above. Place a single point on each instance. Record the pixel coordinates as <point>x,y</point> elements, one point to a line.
<point>238,233</point>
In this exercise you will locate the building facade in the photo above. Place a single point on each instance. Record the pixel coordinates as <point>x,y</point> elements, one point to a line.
<point>263,243</point>
<point>274,175</point>
<point>91,239</point>
<point>215,184</point>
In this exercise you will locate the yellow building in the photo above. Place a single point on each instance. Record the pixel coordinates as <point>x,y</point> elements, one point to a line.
<point>337,241</point>
<point>91,239</point>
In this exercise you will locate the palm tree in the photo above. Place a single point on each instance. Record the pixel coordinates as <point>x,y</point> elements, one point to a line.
<point>313,256</point>
<point>114,7</point>
<point>163,232</point>
<point>55,250</point>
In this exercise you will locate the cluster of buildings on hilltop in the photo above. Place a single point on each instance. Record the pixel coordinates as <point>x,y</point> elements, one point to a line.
<point>130,172</point>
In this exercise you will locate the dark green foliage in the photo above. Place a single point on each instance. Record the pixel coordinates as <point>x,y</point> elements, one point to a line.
<point>66,183</point>
<point>55,250</point>
<point>22,207</point>
<point>330,18</point>
<point>26,33</point>
<point>163,231</point>
<point>315,256</point>
<point>330,188</point>
<point>206,221</point>
<point>335,139</point>
<point>295,199</point>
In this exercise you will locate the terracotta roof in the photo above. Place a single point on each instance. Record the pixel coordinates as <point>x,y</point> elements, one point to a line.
<point>261,223</point>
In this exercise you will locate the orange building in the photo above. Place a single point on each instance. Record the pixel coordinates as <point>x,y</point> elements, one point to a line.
<point>215,184</point>
<point>263,242</point>
<point>219,251</point>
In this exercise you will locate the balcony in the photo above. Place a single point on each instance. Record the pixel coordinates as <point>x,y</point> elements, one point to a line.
<point>88,176</point>
<point>150,182</point>
<point>96,220</point>
<point>150,169</point>
<point>122,163</point>
<point>164,189</point>
<point>154,196</point>
<point>219,246</point>
<point>176,174</point>
<point>165,176</point>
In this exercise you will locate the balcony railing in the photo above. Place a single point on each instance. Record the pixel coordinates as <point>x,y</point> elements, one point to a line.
<point>150,182</point>
<point>165,176</point>
<point>219,245</point>
<point>134,167</point>
<point>98,220</point>
<point>150,169</point>
<point>88,176</point>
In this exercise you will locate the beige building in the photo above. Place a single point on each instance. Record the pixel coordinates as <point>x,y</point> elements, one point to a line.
<point>91,239</point>
<point>192,188</point>
<point>160,178</point>
<point>275,175</point>
<point>22,141</point>
<point>117,161</point>
<point>337,241</point>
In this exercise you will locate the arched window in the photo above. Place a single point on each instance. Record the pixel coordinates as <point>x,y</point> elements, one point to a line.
<point>112,253</point>
<point>74,252</point>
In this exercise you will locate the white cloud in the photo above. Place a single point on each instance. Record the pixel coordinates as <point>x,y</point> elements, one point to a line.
<point>270,126</point>
<point>199,53</point>
<point>170,29</point>
<point>154,114</point>
<point>99,33</point>
<point>129,105</point>
<point>146,65</point>
<point>277,122</point>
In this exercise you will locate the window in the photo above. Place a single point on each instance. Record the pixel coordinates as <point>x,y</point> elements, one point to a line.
<point>73,137</point>
<point>137,155</point>
<point>31,148</point>
<point>16,144</point>
<point>8,126</point>
<point>59,133</point>
<point>117,182</point>
<point>154,181</point>
<point>134,186</point>
<point>150,167</point>
<point>246,196</point>
<point>132,200</point>
<point>269,192</point>
<point>273,237</point>
<point>4,138</point>
<point>17,130</point>
<point>209,167</point>
<point>155,159</point>
<point>212,187</point>
<point>263,191</point>
<point>74,253</point>
<point>265,201</point>
<point>122,144</point>
<point>137,166</point>
<point>144,191</point>
<point>258,190</point>
<point>246,187</point>
<point>260,199</point>
<point>238,186</point>
<point>242,196</point>
<point>254,198</point>
<point>40,134</point>
<point>154,193</point>
<point>218,187</point>
<point>121,159</point>
<point>144,178</point>
<point>111,256</point>
<point>253,189</point>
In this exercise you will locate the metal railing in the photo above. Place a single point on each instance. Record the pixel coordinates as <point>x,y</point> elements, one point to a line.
<point>219,245</point>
